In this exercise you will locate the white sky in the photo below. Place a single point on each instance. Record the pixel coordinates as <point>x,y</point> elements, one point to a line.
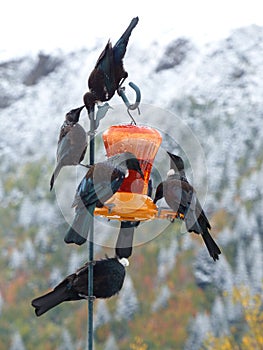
<point>33,25</point>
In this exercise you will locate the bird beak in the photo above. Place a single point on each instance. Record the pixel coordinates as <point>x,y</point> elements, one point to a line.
<point>141,173</point>
<point>170,154</point>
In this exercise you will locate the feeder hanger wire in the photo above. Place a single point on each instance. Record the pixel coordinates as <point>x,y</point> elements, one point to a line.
<point>131,106</point>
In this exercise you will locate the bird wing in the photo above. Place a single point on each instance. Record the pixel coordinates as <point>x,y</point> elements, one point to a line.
<point>202,219</point>
<point>105,68</point>
<point>178,195</point>
<point>119,48</point>
<point>159,192</point>
<point>94,189</point>
<point>72,147</point>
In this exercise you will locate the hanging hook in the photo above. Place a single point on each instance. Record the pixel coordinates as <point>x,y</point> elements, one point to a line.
<point>131,106</point>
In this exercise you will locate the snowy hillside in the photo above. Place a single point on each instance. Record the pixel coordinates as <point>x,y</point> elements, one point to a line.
<point>208,104</point>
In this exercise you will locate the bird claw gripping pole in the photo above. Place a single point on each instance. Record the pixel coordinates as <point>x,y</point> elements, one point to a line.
<point>131,106</point>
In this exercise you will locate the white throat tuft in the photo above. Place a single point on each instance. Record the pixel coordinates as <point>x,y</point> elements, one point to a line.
<point>124,261</point>
<point>171,172</point>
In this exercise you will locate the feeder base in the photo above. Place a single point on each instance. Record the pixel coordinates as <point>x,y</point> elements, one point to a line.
<point>126,206</point>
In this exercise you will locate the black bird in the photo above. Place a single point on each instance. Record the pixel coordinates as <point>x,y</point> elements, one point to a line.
<point>124,243</point>
<point>109,73</point>
<point>181,197</point>
<point>73,115</point>
<point>123,248</point>
<point>98,185</point>
<point>72,143</point>
<point>108,278</point>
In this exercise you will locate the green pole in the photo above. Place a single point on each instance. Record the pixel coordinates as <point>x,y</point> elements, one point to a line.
<point>91,238</point>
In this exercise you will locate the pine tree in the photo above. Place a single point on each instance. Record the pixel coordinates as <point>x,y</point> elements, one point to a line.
<point>17,342</point>
<point>127,303</point>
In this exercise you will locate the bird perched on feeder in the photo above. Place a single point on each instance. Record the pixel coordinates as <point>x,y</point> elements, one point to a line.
<point>72,143</point>
<point>181,197</point>
<point>109,73</point>
<point>98,185</point>
<point>108,278</point>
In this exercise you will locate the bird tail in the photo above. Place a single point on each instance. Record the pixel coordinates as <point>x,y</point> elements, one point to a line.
<point>46,302</point>
<point>211,245</point>
<point>123,247</point>
<point>201,226</point>
<point>54,175</point>
<point>78,232</point>
<point>123,41</point>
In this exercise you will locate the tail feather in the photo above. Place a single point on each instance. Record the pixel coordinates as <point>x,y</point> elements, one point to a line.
<point>119,48</point>
<point>211,245</point>
<point>125,238</point>
<point>49,300</point>
<point>201,226</point>
<point>79,230</point>
<point>55,175</point>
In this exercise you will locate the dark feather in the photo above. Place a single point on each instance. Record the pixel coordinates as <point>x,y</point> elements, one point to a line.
<point>98,185</point>
<point>108,278</point>
<point>72,143</point>
<point>123,248</point>
<point>181,197</point>
<point>108,73</point>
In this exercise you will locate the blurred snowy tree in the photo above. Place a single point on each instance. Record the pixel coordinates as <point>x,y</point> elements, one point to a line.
<point>255,263</point>
<point>55,277</point>
<point>166,260</point>
<point>66,343</point>
<point>17,342</point>
<point>199,330</point>
<point>102,314</point>
<point>241,272</point>
<point>16,259</point>
<point>29,250</point>
<point>218,318</point>
<point>162,298</point>
<point>111,343</point>
<point>75,261</point>
<point>127,303</point>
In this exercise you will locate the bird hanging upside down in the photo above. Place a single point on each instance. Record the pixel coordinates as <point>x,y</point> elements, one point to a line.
<point>109,73</point>
<point>98,185</point>
<point>108,278</point>
<point>181,197</point>
<point>72,143</point>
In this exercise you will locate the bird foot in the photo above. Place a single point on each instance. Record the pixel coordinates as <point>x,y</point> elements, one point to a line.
<point>86,165</point>
<point>171,218</point>
<point>88,297</point>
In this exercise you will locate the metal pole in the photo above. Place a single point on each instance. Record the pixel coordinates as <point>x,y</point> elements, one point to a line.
<point>91,237</point>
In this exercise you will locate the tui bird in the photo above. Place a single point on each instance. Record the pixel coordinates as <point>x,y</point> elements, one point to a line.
<point>124,244</point>
<point>123,248</point>
<point>181,197</point>
<point>98,185</point>
<point>108,278</point>
<point>109,73</point>
<point>72,143</point>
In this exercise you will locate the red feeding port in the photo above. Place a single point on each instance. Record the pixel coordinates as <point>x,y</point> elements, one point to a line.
<point>143,142</point>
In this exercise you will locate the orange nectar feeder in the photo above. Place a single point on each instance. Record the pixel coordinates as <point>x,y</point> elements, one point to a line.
<point>130,202</point>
